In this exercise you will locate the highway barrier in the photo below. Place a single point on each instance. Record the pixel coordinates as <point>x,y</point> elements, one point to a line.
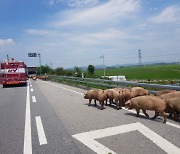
<point>115,84</point>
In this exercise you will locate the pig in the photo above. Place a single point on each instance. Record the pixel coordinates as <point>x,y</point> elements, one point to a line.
<point>97,95</point>
<point>109,93</point>
<point>173,106</point>
<point>91,94</point>
<point>161,92</point>
<point>116,95</point>
<point>170,95</point>
<point>152,103</point>
<point>126,95</point>
<point>138,91</point>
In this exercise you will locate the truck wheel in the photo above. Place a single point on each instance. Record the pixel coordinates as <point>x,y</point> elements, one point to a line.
<point>4,85</point>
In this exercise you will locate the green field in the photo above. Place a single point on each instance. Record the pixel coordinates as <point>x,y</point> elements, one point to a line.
<point>152,72</point>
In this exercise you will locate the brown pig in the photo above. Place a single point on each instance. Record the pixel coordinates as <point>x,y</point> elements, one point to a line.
<point>170,95</point>
<point>126,95</point>
<point>109,93</point>
<point>173,106</point>
<point>97,95</point>
<point>165,91</point>
<point>152,103</point>
<point>138,91</point>
<point>116,95</point>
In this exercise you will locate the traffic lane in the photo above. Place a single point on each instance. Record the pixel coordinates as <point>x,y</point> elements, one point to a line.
<point>77,117</point>
<point>58,139</point>
<point>12,111</point>
<point>82,148</point>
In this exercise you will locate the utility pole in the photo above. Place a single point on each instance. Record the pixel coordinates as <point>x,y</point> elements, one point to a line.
<point>139,57</point>
<point>39,55</point>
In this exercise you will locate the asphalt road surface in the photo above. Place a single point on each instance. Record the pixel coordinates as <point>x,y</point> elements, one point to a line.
<point>51,118</point>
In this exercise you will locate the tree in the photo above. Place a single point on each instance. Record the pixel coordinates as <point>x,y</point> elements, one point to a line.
<point>44,70</point>
<point>77,71</point>
<point>59,71</point>
<point>90,69</point>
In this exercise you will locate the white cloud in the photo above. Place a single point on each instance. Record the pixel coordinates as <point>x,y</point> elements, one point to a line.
<point>74,3</point>
<point>170,14</point>
<point>41,32</point>
<point>81,3</point>
<point>6,41</point>
<point>113,10</point>
<point>99,38</point>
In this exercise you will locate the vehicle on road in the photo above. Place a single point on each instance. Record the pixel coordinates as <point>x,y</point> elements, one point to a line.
<point>13,73</point>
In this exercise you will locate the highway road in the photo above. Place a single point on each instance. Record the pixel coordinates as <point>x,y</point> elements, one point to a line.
<point>47,117</point>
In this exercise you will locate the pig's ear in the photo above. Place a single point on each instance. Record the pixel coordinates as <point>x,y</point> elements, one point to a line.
<point>85,93</point>
<point>128,103</point>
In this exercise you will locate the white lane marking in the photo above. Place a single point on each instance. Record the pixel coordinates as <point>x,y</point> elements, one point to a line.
<point>64,88</point>
<point>33,99</point>
<point>88,138</point>
<point>174,125</point>
<point>40,130</point>
<point>31,85</point>
<point>27,131</point>
<point>32,89</point>
<point>168,123</point>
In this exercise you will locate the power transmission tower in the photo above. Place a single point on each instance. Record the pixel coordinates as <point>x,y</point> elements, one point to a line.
<point>139,57</point>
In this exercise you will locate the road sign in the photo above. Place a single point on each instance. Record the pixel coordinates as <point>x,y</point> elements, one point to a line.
<point>32,54</point>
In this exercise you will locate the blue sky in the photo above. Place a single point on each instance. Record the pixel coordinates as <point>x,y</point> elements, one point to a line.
<point>71,33</point>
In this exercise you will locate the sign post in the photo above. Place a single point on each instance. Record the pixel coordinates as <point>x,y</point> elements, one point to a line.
<point>36,55</point>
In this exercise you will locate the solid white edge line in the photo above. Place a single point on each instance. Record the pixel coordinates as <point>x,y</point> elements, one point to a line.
<point>27,131</point>
<point>40,130</point>
<point>168,123</point>
<point>65,88</point>
<point>33,99</point>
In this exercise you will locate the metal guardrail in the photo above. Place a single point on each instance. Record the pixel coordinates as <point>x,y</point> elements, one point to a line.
<point>109,83</point>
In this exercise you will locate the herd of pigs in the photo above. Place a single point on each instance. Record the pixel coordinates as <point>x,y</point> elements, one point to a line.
<point>164,101</point>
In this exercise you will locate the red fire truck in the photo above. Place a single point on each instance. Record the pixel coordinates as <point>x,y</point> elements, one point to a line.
<point>13,73</point>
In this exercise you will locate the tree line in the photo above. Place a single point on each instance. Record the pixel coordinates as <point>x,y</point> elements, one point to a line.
<point>76,72</point>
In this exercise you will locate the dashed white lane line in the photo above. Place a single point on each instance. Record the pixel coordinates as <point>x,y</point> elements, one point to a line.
<point>27,131</point>
<point>32,89</point>
<point>168,123</point>
<point>40,130</point>
<point>31,85</point>
<point>33,99</point>
<point>88,138</point>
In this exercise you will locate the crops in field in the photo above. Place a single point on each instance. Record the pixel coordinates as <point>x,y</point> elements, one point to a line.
<point>152,72</point>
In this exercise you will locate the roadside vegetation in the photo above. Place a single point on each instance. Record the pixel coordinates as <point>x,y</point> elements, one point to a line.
<point>150,72</point>
<point>158,74</point>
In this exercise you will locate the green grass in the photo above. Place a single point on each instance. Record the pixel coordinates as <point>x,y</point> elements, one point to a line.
<point>158,72</point>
